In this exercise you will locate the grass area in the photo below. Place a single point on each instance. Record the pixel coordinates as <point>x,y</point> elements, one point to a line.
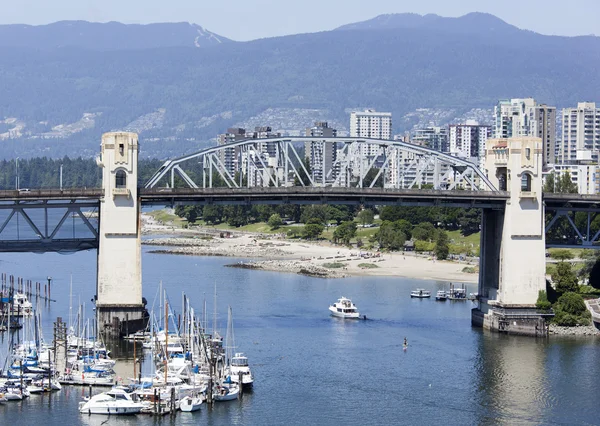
<point>334,265</point>
<point>575,253</point>
<point>162,216</point>
<point>368,265</point>
<point>470,270</point>
<point>460,244</point>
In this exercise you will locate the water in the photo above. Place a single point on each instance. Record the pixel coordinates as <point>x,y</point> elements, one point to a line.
<point>314,369</point>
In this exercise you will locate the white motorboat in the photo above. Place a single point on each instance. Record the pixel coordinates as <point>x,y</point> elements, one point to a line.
<point>226,393</point>
<point>344,308</point>
<point>239,365</point>
<point>22,307</point>
<point>114,402</point>
<point>420,293</point>
<point>189,404</point>
<point>441,295</point>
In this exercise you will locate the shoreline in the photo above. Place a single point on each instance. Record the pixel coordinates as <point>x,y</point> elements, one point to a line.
<point>272,252</point>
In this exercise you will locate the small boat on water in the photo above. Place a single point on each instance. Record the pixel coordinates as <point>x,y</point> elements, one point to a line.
<point>441,295</point>
<point>114,402</point>
<point>344,308</point>
<point>420,293</point>
<point>457,293</point>
<point>226,393</point>
<point>190,404</point>
<point>239,365</point>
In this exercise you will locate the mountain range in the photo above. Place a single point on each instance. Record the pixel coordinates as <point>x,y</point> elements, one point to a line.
<point>179,85</point>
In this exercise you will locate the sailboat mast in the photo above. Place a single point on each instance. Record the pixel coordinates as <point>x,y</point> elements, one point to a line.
<point>215,313</point>
<point>71,303</point>
<point>166,338</point>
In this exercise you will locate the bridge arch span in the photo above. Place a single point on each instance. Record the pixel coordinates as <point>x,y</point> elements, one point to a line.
<point>336,162</point>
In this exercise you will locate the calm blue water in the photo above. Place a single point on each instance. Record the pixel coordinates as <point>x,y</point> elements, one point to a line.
<point>314,369</point>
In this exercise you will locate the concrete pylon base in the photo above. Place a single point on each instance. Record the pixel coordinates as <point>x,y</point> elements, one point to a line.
<point>118,321</point>
<point>525,321</point>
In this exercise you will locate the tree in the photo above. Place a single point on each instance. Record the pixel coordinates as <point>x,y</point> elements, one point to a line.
<point>370,177</point>
<point>594,272</point>
<point>366,216</point>
<point>212,214</point>
<point>262,212</point>
<point>570,310</point>
<point>469,221</point>
<point>190,213</point>
<point>562,185</point>
<point>312,231</point>
<point>236,215</point>
<point>389,237</point>
<point>275,221</point>
<point>424,231</point>
<point>549,183</point>
<point>441,246</point>
<point>405,227</point>
<point>319,212</point>
<point>344,232</point>
<point>542,301</point>
<point>303,179</point>
<point>561,254</point>
<point>564,278</point>
<point>339,213</point>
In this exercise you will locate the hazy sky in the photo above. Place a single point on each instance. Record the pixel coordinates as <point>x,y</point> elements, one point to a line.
<point>250,19</point>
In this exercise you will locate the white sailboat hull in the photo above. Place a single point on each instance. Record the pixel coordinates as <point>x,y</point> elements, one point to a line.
<point>189,404</point>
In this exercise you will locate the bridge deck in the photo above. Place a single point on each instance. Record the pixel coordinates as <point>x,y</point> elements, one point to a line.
<point>311,195</point>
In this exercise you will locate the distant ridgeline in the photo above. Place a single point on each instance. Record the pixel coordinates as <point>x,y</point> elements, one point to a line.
<point>58,96</point>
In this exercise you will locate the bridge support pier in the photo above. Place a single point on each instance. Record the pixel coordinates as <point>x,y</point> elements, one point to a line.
<point>119,304</point>
<point>512,255</point>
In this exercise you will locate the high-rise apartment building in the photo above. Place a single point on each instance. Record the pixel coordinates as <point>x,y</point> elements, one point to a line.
<point>432,137</point>
<point>580,133</point>
<point>525,117</point>
<point>468,141</point>
<point>371,124</point>
<point>255,164</point>
<point>230,156</point>
<point>321,155</point>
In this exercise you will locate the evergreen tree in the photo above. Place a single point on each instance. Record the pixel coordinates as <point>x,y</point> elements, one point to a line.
<point>564,279</point>
<point>442,250</point>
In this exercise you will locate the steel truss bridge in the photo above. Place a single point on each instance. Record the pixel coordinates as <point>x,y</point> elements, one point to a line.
<point>66,220</point>
<point>337,162</point>
<point>572,220</point>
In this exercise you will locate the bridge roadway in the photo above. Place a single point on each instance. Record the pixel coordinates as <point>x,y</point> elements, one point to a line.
<point>89,197</point>
<point>44,234</point>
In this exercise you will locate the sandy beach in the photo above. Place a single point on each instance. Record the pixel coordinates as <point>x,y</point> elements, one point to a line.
<point>276,253</point>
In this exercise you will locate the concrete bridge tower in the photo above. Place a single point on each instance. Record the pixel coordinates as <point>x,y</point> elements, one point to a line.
<point>513,241</point>
<point>119,306</point>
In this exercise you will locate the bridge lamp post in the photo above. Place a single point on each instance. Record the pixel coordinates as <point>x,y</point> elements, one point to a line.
<point>17,173</point>
<point>60,179</point>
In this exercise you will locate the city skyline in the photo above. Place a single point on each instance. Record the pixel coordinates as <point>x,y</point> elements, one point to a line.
<point>244,21</point>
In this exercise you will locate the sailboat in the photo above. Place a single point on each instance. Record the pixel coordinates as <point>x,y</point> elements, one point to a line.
<point>237,362</point>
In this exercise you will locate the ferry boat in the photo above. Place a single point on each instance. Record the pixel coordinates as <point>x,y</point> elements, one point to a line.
<point>420,293</point>
<point>344,308</point>
<point>441,295</point>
